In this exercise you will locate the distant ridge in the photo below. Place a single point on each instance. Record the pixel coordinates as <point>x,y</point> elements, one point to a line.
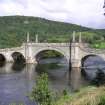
<point>13,30</point>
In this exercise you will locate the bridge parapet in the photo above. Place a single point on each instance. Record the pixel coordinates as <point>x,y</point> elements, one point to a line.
<point>47,44</point>
<point>52,44</point>
<point>12,49</point>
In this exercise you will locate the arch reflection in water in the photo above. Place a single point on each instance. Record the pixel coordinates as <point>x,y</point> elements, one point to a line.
<point>91,64</point>
<point>2,64</point>
<point>18,66</point>
<point>57,71</point>
<point>51,64</point>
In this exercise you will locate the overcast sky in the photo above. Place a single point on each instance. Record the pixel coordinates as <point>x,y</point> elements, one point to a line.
<point>83,12</point>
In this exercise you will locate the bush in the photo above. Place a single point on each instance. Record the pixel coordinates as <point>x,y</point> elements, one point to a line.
<point>41,93</point>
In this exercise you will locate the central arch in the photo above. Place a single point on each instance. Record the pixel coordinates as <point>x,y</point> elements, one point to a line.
<point>62,53</point>
<point>49,54</point>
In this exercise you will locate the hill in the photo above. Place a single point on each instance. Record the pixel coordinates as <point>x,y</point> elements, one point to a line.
<point>13,31</point>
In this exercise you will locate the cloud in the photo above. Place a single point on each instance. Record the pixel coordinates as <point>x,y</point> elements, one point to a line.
<point>10,8</point>
<point>83,12</point>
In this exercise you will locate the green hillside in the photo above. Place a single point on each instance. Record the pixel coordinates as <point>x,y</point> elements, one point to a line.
<point>13,31</point>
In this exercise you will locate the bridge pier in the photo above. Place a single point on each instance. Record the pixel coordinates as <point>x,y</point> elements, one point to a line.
<point>75,55</point>
<point>76,63</point>
<point>31,60</point>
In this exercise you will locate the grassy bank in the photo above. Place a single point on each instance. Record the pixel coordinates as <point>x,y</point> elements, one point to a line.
<point>86,96</point>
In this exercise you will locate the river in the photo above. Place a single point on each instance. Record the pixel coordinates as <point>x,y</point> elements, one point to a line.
<point>16,80</point>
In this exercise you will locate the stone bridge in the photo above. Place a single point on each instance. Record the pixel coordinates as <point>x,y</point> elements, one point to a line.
<point>30,50</point>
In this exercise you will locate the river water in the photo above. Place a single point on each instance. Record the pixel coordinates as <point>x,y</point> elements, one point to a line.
<point>16,80</point>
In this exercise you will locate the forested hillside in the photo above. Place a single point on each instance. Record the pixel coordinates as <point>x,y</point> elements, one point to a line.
<point>13,31</point>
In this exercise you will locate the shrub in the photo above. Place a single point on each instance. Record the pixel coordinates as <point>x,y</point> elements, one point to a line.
<point>41,93</point>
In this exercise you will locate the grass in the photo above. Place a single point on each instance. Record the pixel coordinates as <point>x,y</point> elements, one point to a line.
<point>86,96</point>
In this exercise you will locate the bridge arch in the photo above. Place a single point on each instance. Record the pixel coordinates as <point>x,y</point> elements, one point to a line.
<point>2,58</point>
<point>87,56</point>
<point>53,49</point>
<point>18,57</point>
<point>91,66</point>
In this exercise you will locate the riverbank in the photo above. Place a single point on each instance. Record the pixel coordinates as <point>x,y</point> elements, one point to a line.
<point>86,96</point>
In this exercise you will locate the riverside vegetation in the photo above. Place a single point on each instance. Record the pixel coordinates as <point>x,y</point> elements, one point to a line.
<point>91,95</point>
<point>13,31</point>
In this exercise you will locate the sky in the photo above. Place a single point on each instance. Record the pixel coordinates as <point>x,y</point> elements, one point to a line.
<point>87,13</point>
